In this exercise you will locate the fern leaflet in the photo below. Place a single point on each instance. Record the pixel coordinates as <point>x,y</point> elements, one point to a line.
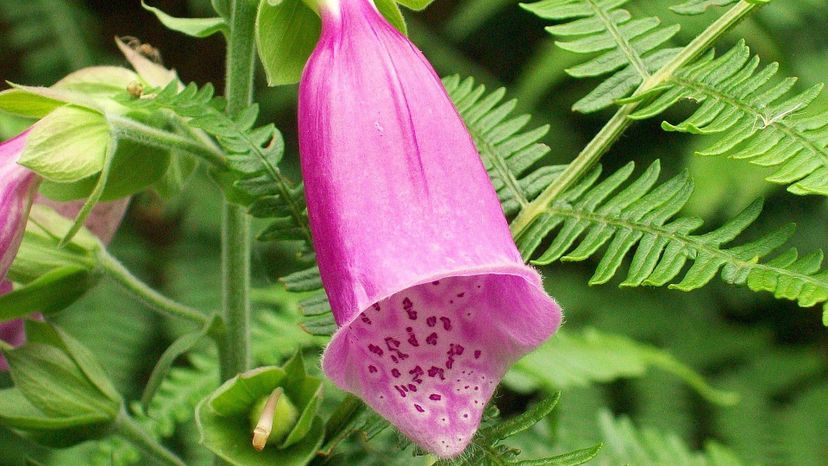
<point>627,49</point>
<point>593,214</point>
<point>508,152</point>
<point>697,7</point>
<point>253,154</point>
<point>760,121</point>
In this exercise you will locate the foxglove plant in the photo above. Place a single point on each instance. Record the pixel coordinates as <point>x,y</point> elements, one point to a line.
<point>433,300</point>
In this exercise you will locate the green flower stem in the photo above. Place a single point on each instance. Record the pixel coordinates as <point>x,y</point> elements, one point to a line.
<point>153,299</point>
<point>619,123</point>
<point>127,428</point>
<point>234,350</point>
<point>125,128</point>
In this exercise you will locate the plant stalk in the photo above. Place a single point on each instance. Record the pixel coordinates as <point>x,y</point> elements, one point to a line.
<point>234,350</point>
<point>153,299</point>
<point>127,428</point>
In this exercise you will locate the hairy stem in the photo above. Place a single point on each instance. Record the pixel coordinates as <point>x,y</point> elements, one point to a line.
<point>153,299</point>
<point>235,235</point>
<point>131,130</point>
<point>619,123</point>
<point>127,428</point>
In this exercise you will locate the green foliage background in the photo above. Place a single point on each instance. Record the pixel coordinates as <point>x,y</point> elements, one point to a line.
<point>626,357</point>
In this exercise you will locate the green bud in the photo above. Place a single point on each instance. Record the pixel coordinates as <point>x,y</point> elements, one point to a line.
<point>269,405</point>
<point>61,395</point>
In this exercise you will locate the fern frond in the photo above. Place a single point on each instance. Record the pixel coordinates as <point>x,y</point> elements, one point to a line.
<point>641,218</point>
<point>697,7</point>
<point>627,49</point>
<point>508,151</point>
<point>624,443</point>
<point>253,154</point>
<point>760,120</point>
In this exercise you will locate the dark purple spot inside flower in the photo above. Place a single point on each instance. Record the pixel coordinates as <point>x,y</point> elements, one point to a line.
<point>449,362</point>
<point>375,349</point>
<point>417,372</point>
<point>477,354</point>
<point>365,319</point>
<point>412,339</point>
<point>432,339</point>
<point>455,350</point>
<point>435,371</point>
<point>376,307</point>
<point>409,309</point>
<point>394,358</point>
<point>412,387</point>
<point>446,323</point>
<point>400,390</point>
<point>435,282</point>
<point>392,343</point>
<point>372,369</point>
<point>419,408</point>
<point>435,397</point>
<point>395,372</point>
<point>460,295</point>
<point>432,321</point>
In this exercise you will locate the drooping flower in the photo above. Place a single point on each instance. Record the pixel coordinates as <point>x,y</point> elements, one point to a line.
<point>432,298</point>
<point>18,190</point>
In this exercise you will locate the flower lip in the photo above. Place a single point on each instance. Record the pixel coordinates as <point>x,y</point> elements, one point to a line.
<point>429,357</point>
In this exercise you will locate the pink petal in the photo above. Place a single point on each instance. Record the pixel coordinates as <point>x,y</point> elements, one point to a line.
<point>17,188</point>
<point>432,296</point>
<point>12,331</point>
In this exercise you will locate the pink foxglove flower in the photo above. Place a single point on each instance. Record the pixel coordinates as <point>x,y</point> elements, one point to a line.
<point>432,298</point>
<point>18,188</point>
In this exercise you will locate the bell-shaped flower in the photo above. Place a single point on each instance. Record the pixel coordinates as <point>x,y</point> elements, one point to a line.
<point>432,298</point>
<point>18,186</point>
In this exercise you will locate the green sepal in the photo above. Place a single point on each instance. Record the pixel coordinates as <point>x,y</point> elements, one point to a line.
<point>51,292</point>
<point>286,34</point>
<point>69,144</point>
<point>134,168</point>
<point>193,27</point>
<point>223,417</point>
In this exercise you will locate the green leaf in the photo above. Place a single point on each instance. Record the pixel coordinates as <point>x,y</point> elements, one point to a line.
<point>697,7</point>
<point>587,357</point>
<point>572,458</point>
<point>525,420</point>
<point>180,346</point>
<point>416,5</point>
<point>624,443</point>
<point>193,27</point>
<point>391,11</point>
<point>286,34</point>
<point>27,104</point>
<point>67,145</point>
<point>51,292</point>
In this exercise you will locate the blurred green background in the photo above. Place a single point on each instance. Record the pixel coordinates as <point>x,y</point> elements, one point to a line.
<point>774,354</point>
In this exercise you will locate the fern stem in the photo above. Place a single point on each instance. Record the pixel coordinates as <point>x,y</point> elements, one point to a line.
<point>127,428</point>
<point>153,299</point>
<point>619,123</point>
<point>235,235</point>
<point>131,130</point>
